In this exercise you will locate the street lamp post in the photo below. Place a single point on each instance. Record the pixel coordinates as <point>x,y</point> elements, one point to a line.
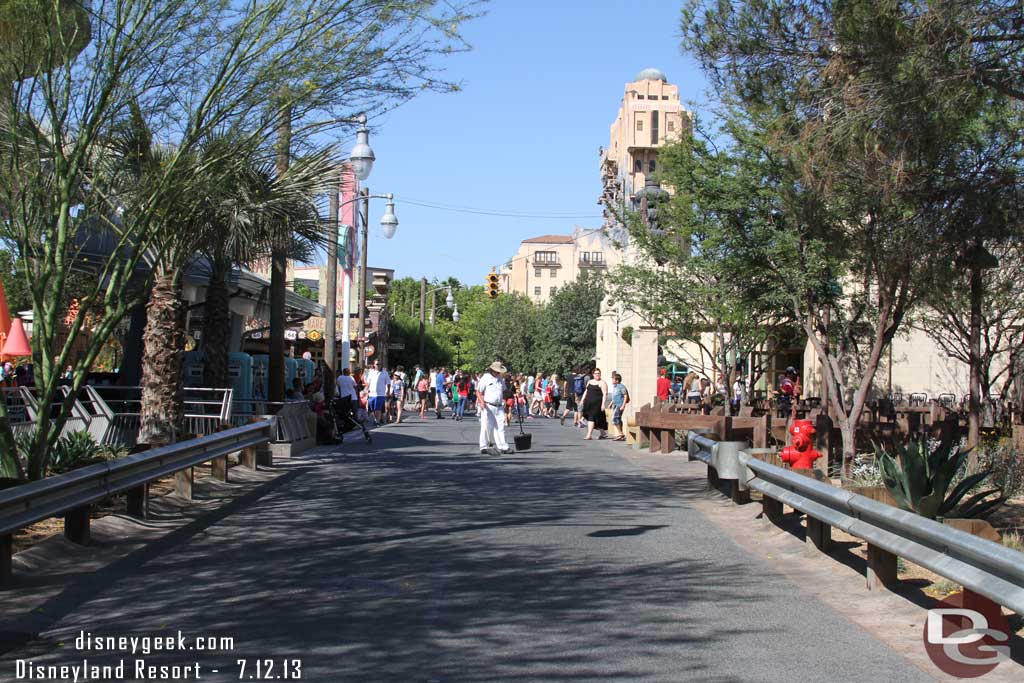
<point>361,160</point>
<point>389,224</point>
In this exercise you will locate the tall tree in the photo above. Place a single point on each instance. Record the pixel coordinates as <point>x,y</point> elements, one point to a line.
<point>863,115</point>
<point>193,67</point>
<point>567,338</point>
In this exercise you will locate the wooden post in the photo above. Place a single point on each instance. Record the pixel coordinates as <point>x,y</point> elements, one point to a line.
<point>183,482</point>
<point>668,440</point>
<point>219,468</point>
<point>6,555</point>
<point>264,455</point>
<point>771,510</point>
<point>823,440</point>
<point>881,570</point>
<point>248,457</point>
<point>76,525</point>
<point>818,535</point>
<point>738,495</point>
<point>655,440</point>
<point>138,501</point>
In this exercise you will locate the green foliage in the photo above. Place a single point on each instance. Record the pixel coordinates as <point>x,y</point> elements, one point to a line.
<point>305,291</point>
<point>508,330</point>
<point>919,479</point>
<point>567,336</point>
<point>77,449</point>
<point>14,276</point>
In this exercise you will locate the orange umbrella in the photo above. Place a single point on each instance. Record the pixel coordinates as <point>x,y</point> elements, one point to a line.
<point>17,341</point>
<point>5,318</point>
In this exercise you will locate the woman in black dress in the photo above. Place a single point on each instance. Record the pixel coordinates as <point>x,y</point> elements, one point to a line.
<point>595,398</point>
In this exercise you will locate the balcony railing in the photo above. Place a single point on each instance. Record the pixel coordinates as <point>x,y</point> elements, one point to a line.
<point>550,261</point>
<point>593,261</point>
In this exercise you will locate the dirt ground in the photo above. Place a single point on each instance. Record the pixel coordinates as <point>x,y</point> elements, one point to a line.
<point>40,531</point>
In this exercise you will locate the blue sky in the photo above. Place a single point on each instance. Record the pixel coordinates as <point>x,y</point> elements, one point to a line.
<point>541,87</point>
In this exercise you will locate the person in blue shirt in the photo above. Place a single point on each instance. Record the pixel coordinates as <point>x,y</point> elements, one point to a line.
<point>442,395</point>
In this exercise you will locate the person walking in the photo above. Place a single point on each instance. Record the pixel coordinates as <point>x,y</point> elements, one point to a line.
<point>462,391</point>
<point>441,392</point>
<point>423,392</point>
<point>347,403</point>
<point>664,386</point>
<point>579,385</point>
<point>396,397</point>
<point>490,395</point>
<point>595,400</point>
<point>377,382</point>
<point>620,397</point>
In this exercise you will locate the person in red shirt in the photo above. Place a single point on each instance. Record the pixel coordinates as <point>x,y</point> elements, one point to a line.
<point>664,385</point>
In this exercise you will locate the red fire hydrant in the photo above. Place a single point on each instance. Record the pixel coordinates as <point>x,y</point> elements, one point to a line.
<point>801,455</point>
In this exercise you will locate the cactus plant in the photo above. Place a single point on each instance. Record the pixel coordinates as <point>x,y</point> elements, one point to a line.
<point>920,480</point>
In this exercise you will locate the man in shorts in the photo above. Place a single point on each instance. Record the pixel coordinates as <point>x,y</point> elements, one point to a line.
<point>377,386</point>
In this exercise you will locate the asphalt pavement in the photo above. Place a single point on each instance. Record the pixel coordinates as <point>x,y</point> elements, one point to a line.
<point>416,558</point>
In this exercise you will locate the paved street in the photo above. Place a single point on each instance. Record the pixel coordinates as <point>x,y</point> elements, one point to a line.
<point>418,559</point>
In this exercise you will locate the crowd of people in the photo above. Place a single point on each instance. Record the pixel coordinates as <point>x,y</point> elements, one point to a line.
<point>497,396</point>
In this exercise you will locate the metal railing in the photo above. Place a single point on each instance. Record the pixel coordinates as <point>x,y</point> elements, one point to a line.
<point>985,567</point>
<point>54,496</point>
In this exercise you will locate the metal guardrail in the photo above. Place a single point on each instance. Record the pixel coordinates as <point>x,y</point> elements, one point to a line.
<point>54,496</point>
<point>985,567</point>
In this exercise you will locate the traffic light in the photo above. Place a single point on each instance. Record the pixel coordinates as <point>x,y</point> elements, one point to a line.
<point>492,285</point>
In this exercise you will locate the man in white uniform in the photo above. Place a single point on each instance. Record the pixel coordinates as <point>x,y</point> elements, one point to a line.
<point>490,395</point>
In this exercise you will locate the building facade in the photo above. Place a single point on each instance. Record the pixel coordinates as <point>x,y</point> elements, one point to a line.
<point>545,264</point>
<point>650,117</point>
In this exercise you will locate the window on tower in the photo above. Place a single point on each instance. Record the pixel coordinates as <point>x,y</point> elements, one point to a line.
<point>638,166</point>
<point>654,127</point>
<point>651,166</point>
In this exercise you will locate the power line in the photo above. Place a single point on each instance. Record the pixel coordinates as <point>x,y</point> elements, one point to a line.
<point>501,213</point>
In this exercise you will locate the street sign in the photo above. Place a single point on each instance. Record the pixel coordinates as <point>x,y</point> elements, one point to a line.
<point>396,346</point>
<point>370,349</point>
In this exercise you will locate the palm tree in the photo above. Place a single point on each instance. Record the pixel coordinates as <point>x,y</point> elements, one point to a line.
<point>263,201</point>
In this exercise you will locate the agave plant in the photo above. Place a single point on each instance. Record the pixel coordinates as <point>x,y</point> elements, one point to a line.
<point>73,450</point>
<point>920,480</point>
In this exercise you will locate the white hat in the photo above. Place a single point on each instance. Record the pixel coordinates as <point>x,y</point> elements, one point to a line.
<point>498,367</point>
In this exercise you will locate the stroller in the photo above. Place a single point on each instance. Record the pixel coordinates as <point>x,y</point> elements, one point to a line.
<point>348,417</point>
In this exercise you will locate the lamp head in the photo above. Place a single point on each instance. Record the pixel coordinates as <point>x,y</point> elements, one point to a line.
<point>455,314</point>
<point>389,222</point>
<point>362,157</point>
<point>449,300</point>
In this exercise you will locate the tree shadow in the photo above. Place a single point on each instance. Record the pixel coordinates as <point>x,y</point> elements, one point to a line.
<point>414,564</point>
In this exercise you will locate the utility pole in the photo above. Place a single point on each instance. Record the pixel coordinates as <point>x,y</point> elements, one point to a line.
<point>331,326</point>
<point>279,270</point>
<point>362,276</point>
<point>423,320</point>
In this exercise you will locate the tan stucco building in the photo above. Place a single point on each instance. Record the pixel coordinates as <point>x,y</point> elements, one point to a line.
<point>547,263</point>
<point>650,117</point>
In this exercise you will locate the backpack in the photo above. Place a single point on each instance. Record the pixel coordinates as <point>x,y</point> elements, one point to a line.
<point>578,385</point>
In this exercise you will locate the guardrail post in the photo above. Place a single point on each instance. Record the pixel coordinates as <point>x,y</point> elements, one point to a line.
<point>138,501</point>
<point>247,458</point>
<point>6,555</point>
<point>818,534</point>
<point>771,510</point>
<point>219,468</point>
<point>76,524</point>
<point>184,481</point>
<point>739,496</point>
<point>881,570</point>
<point>264,455</point>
